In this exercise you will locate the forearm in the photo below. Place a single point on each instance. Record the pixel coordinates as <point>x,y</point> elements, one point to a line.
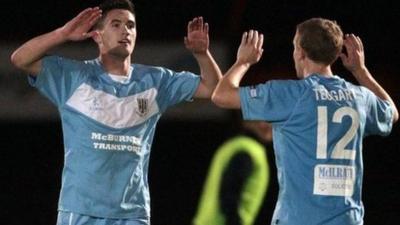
<point>365,79</point>
<point>226,94</point>
<point>28,56</point>
<point>209,72</point>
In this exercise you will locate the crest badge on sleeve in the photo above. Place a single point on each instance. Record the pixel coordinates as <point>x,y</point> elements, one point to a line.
<point>253,91</point>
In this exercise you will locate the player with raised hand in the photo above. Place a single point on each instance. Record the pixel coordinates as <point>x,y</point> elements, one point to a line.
<point>109,108</point>
<point>319,122</point>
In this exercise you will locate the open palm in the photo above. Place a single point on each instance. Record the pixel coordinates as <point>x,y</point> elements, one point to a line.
<point>354,59</point>
<point>197,39</point>
<point>250,49</point>
<point>78,28</point>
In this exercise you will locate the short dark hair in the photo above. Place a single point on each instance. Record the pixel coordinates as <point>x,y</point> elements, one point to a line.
<point>321,39</point>
<point>109,5</point>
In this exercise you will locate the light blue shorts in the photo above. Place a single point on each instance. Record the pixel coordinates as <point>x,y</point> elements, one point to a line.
<point>69,218</point>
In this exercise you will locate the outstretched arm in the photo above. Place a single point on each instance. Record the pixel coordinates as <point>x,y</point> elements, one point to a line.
<point>197,41</point>
<point>28,56</point>
<point>354,61</point>
<point>226,93</point>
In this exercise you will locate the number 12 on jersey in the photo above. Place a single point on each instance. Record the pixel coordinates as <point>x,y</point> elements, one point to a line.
<point>339,150</point>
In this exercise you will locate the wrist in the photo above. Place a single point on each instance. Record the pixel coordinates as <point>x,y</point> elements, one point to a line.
<point>202,54</point>
<point>360,72</point>
<point>243,64</point>
<point>60,35</point>
<point>202,57</point>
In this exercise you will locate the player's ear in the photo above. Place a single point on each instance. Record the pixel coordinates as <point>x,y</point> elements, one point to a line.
<point>302,53</point>
<point>96,36</point>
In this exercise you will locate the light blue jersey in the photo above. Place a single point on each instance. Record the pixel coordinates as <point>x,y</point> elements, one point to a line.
<point>108,130</point>
<point>69,218</point>
<point>318,127</point>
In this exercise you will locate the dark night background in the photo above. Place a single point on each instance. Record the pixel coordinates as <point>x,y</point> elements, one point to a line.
<point>31,150</point>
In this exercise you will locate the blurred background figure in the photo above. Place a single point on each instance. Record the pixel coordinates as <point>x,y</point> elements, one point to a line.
<point>238,178</point>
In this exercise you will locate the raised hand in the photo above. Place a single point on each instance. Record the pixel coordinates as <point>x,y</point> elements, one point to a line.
<point>354,60</point>
<point>250,49</point>
<point>197,39</point>
<point>78,28</point>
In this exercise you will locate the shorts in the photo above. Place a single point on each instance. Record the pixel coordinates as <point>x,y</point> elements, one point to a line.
<point>70,218</point>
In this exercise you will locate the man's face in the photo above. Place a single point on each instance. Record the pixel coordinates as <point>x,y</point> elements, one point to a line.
<point>118,33</point>
<point>298,56</point>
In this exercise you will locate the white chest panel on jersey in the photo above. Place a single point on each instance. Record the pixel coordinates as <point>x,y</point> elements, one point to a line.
<point>113,111</point>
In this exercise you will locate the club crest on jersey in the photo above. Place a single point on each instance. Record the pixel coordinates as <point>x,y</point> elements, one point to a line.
<point>95,105</point>
<point>142,106</point>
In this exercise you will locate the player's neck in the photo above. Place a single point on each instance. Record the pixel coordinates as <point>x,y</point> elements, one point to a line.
<point>315,68</point>
<point>115,65</point>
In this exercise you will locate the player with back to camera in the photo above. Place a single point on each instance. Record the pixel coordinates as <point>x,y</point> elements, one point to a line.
<point>319,122</point>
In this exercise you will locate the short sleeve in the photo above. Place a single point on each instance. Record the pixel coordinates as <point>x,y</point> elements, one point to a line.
<point>177,87</point>
<point>58,76</point>
<point>379,115</point>
<point>272,101</point>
